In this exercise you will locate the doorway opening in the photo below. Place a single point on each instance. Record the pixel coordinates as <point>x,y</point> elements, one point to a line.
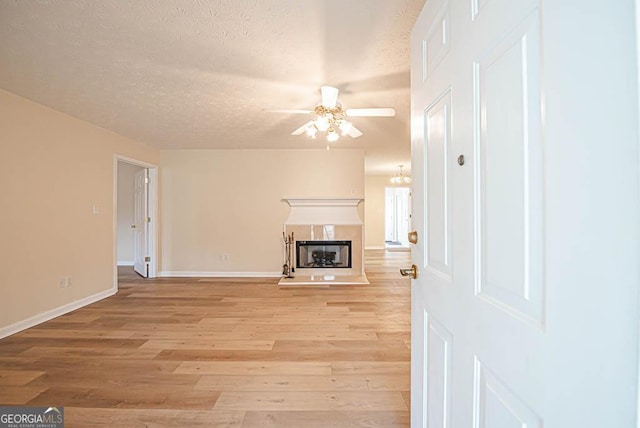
<point>397,218</point>
<point>135,216</point>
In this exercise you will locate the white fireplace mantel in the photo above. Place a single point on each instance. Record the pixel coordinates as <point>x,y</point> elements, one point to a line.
<point>320,211</point>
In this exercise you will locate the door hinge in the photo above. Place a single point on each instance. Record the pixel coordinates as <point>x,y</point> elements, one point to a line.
<point>146,180</point>
<point>147,259</point>
<point>148,219</point>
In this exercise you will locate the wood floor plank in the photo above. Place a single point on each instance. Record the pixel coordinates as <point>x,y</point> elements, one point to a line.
<point>211,337</point>
<point>333,419</point>
<point>94,378</point>
<point>128,398</point>
<point>87,352</point>
<point>254,368</point>
<point>406,395</point>
<point>311,400</point>
<point>17,377</point>
<point>367,367</point>
<point>283,383</point>
<point>143,327</point>
<point>387,382</point>
<point>351,345</point>
<point>327,321</point>
<point>82,334</point>
<point>96,342</point>
<point>230,345</point>
<point>78,316</point>
<point>283,354</point>
<point>19,395</point>
<point>304,383</point>
<point>287,328</point>
<point>77,417</point>
<point>18,362</point>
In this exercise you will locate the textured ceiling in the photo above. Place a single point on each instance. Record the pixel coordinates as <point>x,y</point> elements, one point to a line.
<point>186,74</point>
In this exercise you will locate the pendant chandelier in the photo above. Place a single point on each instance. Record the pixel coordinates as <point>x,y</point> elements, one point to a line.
<point>401,177</point>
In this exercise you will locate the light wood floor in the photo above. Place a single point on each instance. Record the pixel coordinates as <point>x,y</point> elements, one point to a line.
<point>224,353</point>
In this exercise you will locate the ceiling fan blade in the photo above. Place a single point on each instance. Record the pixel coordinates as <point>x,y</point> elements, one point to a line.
<point>329,96</point>
<point>372,112</point>
<point>354,132</point>
<point>292,111</point>
<point>301,130</point>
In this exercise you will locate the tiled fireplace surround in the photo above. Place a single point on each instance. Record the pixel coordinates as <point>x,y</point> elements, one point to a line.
<point>315,219</point>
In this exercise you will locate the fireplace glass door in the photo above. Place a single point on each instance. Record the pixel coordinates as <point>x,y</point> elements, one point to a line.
<point>323,254</point>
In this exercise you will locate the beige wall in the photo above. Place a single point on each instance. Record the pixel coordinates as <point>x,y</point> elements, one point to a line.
<point>374,209</point>
<point>126,176</point>
<point>218,203</point>
<point>53,170</point>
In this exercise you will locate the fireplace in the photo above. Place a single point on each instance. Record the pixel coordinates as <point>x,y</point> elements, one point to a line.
<point>323,254</point>
<point>327,242</point>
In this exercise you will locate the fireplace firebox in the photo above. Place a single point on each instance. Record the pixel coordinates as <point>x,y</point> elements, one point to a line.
<point>323,254</point>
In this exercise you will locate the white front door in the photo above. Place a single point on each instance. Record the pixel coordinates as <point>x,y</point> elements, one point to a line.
<point>525,199</point>
<point>141,224</point>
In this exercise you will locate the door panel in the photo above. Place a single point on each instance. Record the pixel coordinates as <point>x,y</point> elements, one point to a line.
<point>509,181</point>
<point>438,185</point>
<point>436,43</point>
<point>438,373</point>
<point>496,406</point>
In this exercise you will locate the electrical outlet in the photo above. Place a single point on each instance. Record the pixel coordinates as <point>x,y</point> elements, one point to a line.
<point>225,257</point>
<point>65,282</point>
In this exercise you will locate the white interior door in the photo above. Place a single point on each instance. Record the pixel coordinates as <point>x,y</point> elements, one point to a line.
<point>525,309</point>
<point>402,215</point>
<point>390,214</point>
<point>141,224</point>
<point>397,214</point>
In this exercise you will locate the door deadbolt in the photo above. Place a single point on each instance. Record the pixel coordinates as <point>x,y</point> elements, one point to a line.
<point>461,160</point>
<point>413,237</point>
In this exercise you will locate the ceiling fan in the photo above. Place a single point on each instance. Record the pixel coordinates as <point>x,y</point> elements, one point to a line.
<point>331,117</point>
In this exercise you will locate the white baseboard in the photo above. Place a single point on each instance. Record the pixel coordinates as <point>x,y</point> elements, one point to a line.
<point>53,313</point>
<point>374,247</point>
<point>398,249</point>
<point>125,263</point>
<point>196,274</point>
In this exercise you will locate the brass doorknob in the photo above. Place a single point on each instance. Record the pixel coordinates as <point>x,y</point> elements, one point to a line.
<point>412,272</point>
<point>413,237</point>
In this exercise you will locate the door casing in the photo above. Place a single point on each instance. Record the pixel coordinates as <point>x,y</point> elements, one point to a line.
<point>153,213</point>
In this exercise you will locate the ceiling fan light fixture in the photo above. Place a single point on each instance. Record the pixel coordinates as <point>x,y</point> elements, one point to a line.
<point>345,127</point>
<point>311,131</point>
<point>329,96</point>
<point>322,123</point>
<point>332,136</point>
<point>330,117</point>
